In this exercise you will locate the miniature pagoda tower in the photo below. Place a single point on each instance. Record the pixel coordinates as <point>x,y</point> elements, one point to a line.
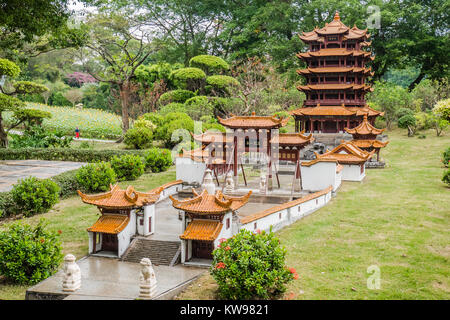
<point>336,76</point>
<point>365,137</point>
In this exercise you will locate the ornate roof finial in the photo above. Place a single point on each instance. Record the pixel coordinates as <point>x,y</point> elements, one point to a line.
<point>336,16</point>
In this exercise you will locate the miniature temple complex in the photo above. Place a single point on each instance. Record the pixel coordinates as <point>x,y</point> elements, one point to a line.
<point>207,203</point>
<point>206,219</point>
<point>365,137</point>
<point>124,213</point>
<point>335,76</point>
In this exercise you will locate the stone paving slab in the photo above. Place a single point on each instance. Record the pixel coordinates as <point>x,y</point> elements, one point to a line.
<point>107,278</point>
<point>13,170</point>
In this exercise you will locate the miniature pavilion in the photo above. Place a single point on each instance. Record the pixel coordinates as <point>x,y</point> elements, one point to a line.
<point>365,137</point>
<point>124,213</point>
<point>207,218</point>
<point>335,76</point>
<point>351,158</point>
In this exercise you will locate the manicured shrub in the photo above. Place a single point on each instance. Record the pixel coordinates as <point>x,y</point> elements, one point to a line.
<point>8,206</point>
<point>158,160</point>
<point>138,137</point>
<point>29,254</point>
<point>143,123</point>
<point>220,85</point>
<point>179,96</point>
<point>446,177</point>
<point>198,106</point>
<point>442,109</point>
<point>95,177</point>
<point>251,266</point>
<point>173,131</point>
<point>408,122</point>
<point>446,157</point>
<point>209,64</point>
<point>154,117</point>
<point>67,154</point>
<point>67,182</point>
<point>172,107</point>
<point>188,78</point>
<point>33,195</point>
<point>127,167</point>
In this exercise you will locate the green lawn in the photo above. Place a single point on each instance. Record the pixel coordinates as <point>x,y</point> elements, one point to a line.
<point>397,219</point>
<point>73,217</point>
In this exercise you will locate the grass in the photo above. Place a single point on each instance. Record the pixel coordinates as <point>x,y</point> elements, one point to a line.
<point>73,217</point>
<point>397,219</point>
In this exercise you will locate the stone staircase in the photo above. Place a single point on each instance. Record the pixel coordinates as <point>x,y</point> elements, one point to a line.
<point>160,252</point>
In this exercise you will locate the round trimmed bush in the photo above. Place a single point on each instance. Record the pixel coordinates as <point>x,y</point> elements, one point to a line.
<point>143,123</point>
<point>179,96</point>
<point>158,160</point>
<point>33,195</point>
<point>29,254</point>
<point>127,167</point>
<point>95,177</point>
<point>138,137</point>
<point>154,117</point>
<point>221,85</point>
<point>251,266</point>
<point>209,64</point>
<point>188,78</point>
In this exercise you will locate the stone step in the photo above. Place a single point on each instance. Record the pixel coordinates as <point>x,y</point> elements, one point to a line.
<point>158,251</point>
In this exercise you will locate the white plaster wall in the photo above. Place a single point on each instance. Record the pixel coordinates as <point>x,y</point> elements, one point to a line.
<point>288,215</point>
<point>319,176</point>
<point>225,233</point>
<point>124,237</point>
<point>169,191</point>
<point>190,171</point>
<point>149,211</point>
<point>352,172</point>
<point>98,246</point>
<point>338,180</point>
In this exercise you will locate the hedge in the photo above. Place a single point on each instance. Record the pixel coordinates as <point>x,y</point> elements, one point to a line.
<point>58,154</point>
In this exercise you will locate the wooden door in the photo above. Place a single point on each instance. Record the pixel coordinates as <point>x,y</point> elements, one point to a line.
<point>202,249</point>
<point>150,224</point>
<point>109,242</point>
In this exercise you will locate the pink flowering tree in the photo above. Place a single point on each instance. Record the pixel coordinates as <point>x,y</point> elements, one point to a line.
<point>251,266</point>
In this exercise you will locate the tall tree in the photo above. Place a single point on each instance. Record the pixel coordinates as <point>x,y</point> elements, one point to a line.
<point>120,42</point>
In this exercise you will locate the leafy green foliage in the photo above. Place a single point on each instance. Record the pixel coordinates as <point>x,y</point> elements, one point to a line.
<point>408,121</point>
<point>31,117</point>
<point>220,85</point>
<point>209,64</point>
<point>251,266</point>
<point>179,96</point>
<point>29,254</point>
<point>138,137</point>
<point>37,137</point>
<point>158,160</point>
<point>172,107</point>
<point>27,87</point>
<point>8,103</point>
<point>8,68</point>
<point>7,205</point>
<point>66,154</point>
<point>128,167</point>
<point>446,177</point>
<point>175,124</point>
<point>188,78</point>
<point>446,157</point>
<point>442,109</point>
<point>33,195</point>
<point>95,177</point>
<point>67,182</point>
<point>198,106</point>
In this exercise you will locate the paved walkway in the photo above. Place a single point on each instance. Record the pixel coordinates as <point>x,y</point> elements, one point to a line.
<point>106,278</point>
<point>13,170</point>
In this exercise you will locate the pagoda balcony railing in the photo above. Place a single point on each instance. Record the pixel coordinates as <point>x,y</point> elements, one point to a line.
<point>334,102</point>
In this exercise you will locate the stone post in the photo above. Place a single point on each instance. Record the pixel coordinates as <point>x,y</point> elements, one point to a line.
<point>72,274</point>
<point>263,183</point>
<point>147,282</point>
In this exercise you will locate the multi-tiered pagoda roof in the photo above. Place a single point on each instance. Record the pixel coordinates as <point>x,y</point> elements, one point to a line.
<point>336,75</point>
